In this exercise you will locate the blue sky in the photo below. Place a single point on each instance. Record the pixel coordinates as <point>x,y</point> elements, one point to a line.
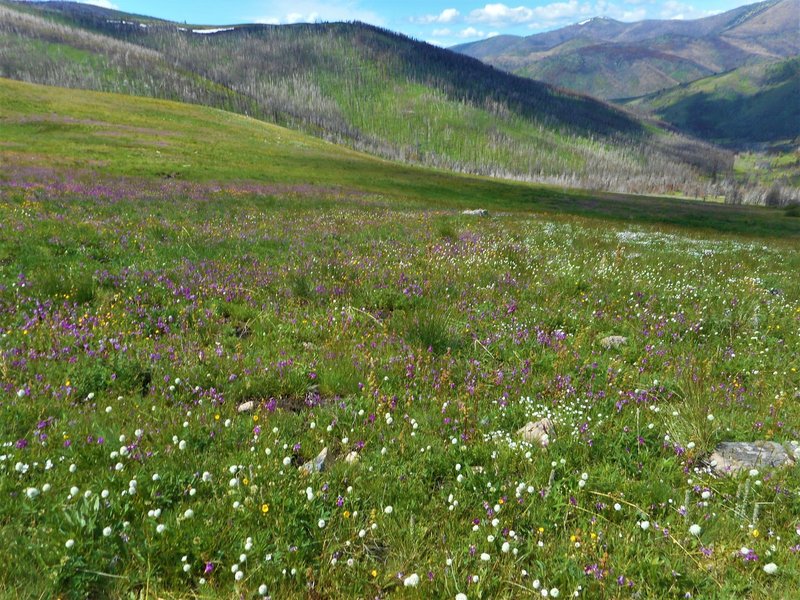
<point>445,22</point>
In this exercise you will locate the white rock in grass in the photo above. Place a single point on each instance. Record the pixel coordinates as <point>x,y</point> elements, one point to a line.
<point>317,465</point>
<point>613,341</point>
<point>541,432</point>
<point>246,406</point>
<point>352,457</point>
<point>476,212</point>
<point>793,448</point>
<point>730,458</point>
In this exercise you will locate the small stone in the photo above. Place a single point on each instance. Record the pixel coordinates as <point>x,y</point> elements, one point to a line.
<point>730,458</point>
<point>352,457</point>
<point>246,406</point>
<point>613,341</point>
<point>541,432</point>
<point>476,212</point>
<point>317,465</point>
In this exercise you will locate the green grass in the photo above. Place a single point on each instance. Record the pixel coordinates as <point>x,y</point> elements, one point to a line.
<point>769,167</point>
<point>161,264</point>
<point>94,134</point>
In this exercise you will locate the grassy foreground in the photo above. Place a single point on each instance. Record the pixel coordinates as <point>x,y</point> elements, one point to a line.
<point>138,312</point>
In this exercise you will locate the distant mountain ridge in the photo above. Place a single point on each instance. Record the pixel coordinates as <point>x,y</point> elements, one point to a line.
<point>362,86</point>
<point>611,59</point>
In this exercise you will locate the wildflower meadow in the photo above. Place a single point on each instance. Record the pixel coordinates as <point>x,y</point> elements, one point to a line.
<point>265,367</point>
<point>170,365</point>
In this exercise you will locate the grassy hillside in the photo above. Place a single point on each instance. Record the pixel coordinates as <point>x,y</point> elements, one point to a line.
<point>365,87</point>
<point>54,52</point>
<point>751,105</point>
<point>611,59</point>
<point>69,142</point>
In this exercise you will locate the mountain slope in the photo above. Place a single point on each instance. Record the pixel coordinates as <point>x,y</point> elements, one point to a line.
<point>607,68</point>
<point>362,86</point>
<point>758,104</point>
<point>630,59</point>
<point>81,144</point>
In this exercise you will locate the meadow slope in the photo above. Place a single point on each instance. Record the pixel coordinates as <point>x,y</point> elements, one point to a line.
<point>71,140</point>
<point>194,304</point>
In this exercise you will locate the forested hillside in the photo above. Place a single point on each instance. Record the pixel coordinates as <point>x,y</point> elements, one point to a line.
<point>365,87</point>
<point>755,105</point>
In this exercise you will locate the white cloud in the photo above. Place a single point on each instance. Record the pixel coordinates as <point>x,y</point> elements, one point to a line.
<point>501,15</point>
<point>633,15</point>
<point>470,32</point>
<point>310,11</point>
<point>672,9</point>
<point>561,10</point>
<point>559,14</point>
<point>448,15</point>
<point>463,34</point>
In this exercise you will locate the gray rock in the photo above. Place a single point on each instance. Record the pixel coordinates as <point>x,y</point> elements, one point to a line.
<point>476,212</point>
<point>732,457</point>
<point>246,406</point>
<point>793,448</point>
<point>541,432</point>
<point>613,341</point>
<point>317,465</point>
